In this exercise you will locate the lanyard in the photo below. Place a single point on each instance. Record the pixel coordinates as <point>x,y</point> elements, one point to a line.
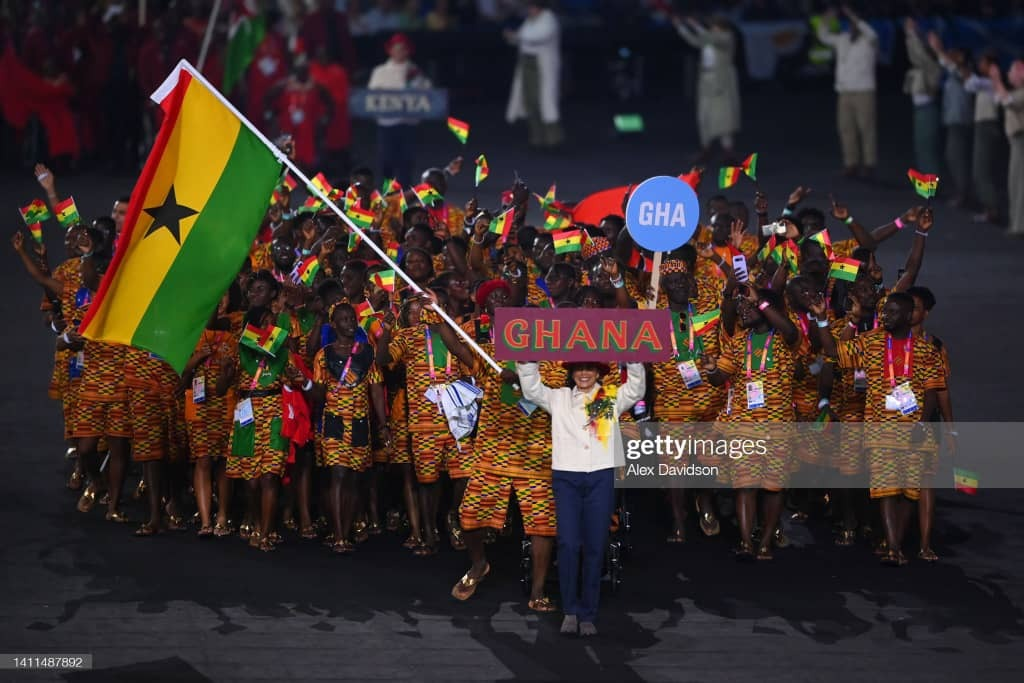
<point>348,364</point>
<point>764,351</point>
<point>259,371</point>
<point>801,319</point>
<point>907,358</point>
<point>430,359</point>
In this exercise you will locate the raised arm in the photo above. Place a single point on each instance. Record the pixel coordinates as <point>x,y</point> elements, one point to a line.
<point>634,388</point>
<point>50,285</point>
<point>916,256</point>
<point>534,390</point>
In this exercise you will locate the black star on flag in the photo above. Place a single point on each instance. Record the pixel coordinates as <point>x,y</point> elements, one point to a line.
<point>169,216</point>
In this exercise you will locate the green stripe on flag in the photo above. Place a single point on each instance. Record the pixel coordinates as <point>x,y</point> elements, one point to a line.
<point>212,254</point>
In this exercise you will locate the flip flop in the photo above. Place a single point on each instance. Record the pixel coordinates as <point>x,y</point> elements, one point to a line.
<point>466,586</point>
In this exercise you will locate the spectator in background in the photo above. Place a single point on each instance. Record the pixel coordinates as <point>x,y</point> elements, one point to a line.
<point>1012,100</point>
<point>922,84</point>
<point>332,78</point>
<point>535,86</point>
<point>269,65</point>
<point>326,27</point>
<point>856,52</point>
<point>986,166</point>
<point>302,108</point>
<point>718,88</point>
<point>440,18</point>
<point>957,117</point>
<point>396,136</point>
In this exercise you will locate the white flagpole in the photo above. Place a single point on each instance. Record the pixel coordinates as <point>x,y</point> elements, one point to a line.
<point>172,80</point>
<point>209,34</point>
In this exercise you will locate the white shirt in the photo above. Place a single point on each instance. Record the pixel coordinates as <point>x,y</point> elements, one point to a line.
<point>855,59</point>
<point>392,75</point>
<point>574,447</point>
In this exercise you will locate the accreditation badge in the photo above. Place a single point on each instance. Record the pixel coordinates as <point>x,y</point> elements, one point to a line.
<point>755,395</point>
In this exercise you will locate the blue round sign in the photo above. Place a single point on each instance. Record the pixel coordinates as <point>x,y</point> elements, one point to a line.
<point>662,213</point>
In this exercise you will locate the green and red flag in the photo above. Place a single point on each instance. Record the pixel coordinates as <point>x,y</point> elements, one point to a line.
<point>390,185</point>
<point>459,129</point>
<point>502,225</point>
<point>764,253</point>
<point>749,166</point>
<point>844,269</point>
<point>363,311</point>
<point>482,170</point>
<point>305,271</point>
<point>548,200</point>
<point>319,181</point>
<point>568,241</point>
<point>965,481</point>
<point>823,239</point>
<point>704,322</point>
<point>393,250</point>
<point>555,220</point>
<point>36,230</point>
<point>362,217</point>
<point>267,340</point>
<point>729,176</point>
<point>288,182</point>
<point>192,218</point>
<point>427,194</point>
<point>67,212</point>
<point>786,254</point>
<point>385,279</point>
<point>313,204</point>
<point>246,31</point>
<point>353,241</point>
<point>925,184</point>
<point>35,212</point>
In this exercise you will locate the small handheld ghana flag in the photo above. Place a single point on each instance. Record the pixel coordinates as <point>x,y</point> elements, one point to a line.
<point>67,212</point>
<point>556,221</point>
<point>393,250</point>
<point>925,184</point>
<point>427,194</point>
<point>459,129</point>
<point>319,181</point>
<point>482,170</point>
<point>353,241</point>
<point>749,166</point>
<point>844,269</point>
<point>823,239</point>
<point>385,279</point>
<point>311,205</point>
<point>267,340</point>
<point>568,241</point>
<point>823,421</point>
<point>305,271</point>
<point>36,229</point>
<point>363,311</point>
<point>502,224</point>
<point>362,217</point>
<point>705,321</point>
<point>965,481</point>
<point>729,176</point>
<point>35,212</point>
<point>548,199</point>
<point>390,185</point>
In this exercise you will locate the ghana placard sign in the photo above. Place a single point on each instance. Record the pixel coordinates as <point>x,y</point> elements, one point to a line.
<point>575,334</point>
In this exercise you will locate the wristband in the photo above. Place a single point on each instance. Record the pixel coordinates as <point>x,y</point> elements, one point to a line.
<point>308,385</point>
<point>64,336</point>
<point>922,234</point>
<point>53,326</point>
<point>787,211</point>
<point>763,305</point>
<point>898,222</point>
<point>619,284</point>
<point>823,402</point>
<point>288,215</point>
<point>849,220</point>
<point>822,323</point>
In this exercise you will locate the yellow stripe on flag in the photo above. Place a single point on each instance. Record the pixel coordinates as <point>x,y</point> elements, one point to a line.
<point>195,156</point>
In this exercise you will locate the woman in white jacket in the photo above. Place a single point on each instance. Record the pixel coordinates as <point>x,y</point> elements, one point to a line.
<point>535,85</point>
<point>585,438</point>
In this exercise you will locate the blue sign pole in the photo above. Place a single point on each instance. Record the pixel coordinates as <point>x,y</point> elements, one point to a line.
<point>662,214</point>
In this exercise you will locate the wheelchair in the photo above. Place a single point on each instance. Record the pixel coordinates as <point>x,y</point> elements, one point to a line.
<point>618,550</point>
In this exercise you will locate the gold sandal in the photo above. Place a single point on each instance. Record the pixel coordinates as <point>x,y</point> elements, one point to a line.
<point>543,604</point>
<point>846,537</point>
<point>117,516</point>
<point>466,586</point>
<point>221,530</point>
<point>928,555</point>
<point>75,481</point>
<point>87,499</point>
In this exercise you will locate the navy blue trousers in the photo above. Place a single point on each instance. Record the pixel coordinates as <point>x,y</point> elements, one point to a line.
<point>584,502</point>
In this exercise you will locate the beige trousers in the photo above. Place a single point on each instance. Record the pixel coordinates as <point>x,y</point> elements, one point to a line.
<point>855,117</point>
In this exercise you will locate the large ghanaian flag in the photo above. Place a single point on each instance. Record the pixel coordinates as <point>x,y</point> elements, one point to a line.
<point>194,213</point>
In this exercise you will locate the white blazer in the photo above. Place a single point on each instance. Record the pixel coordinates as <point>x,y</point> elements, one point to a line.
<point>574,446</point>
<point>539,36</point>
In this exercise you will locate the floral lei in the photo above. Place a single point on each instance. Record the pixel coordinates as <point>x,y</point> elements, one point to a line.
<point>601,413</point>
